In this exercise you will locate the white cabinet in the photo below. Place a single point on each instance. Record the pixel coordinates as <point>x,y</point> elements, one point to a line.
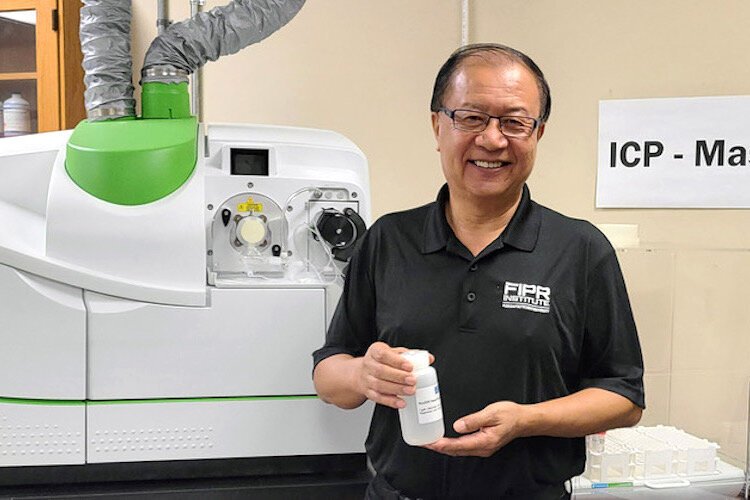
<point>255,342</point>
<point>42,338</point>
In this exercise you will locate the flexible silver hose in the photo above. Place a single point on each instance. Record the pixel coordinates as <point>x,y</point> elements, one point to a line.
<point>189,44</point>
<point>105,43</point>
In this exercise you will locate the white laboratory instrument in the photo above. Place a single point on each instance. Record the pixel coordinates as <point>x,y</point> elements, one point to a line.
<point>180,329</point>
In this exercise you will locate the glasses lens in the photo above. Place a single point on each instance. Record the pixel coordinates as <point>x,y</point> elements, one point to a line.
<point>471,121</point>
<point>517,126</point>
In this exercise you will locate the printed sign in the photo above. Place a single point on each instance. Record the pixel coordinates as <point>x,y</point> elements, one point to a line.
<point>674,153</point>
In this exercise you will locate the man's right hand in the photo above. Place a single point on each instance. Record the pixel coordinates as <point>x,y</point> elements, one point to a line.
<point>384,376</point>
<point>381,375</point>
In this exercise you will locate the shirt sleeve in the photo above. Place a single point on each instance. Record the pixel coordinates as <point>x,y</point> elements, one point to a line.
<point>611,357</point>
<point>352,329</point>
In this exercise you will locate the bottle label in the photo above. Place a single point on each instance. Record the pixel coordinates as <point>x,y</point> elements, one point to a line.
<point>16,120</point>
<point>429,408</point>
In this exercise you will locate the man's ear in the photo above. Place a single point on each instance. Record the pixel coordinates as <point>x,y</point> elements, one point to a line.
<point>540,131</point>
<point>436,128</point>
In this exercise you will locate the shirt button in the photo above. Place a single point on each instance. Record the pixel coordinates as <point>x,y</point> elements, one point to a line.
<point>471,296</point>
<point>473,267</point>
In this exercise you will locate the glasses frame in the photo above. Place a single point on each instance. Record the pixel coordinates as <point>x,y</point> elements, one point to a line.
<point>451,113</point>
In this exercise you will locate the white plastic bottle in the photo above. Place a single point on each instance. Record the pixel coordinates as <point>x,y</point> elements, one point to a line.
<point>16,116</point>
<point>422,418</point>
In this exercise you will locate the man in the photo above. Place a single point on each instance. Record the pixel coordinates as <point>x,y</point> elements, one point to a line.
<point>524,310</point>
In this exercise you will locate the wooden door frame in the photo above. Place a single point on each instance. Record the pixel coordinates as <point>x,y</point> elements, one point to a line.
<point>72,110</point>
<point>48,67</point>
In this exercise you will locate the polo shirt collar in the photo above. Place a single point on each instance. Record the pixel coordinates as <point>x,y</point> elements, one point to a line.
<point>521,233</point>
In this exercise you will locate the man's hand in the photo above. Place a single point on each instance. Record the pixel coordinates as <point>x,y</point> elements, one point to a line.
<point>584,412</point>
<point>485,431</point>
<point>384,375</point>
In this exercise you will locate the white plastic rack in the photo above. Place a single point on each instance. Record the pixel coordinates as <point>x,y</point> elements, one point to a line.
<point>628,454</point>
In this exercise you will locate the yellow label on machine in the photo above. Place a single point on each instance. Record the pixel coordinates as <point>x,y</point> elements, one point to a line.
<point>250,206</point>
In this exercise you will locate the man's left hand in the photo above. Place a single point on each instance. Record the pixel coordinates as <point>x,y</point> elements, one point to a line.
<point>485,432</point>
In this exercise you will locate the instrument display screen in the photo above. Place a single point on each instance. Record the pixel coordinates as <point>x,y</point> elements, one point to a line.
<point>249,161</point>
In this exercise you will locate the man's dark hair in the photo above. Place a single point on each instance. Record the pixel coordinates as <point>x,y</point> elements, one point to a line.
<point>452,65</point>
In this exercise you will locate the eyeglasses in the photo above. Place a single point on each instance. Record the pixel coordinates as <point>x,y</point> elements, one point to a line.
<point>469,120</point>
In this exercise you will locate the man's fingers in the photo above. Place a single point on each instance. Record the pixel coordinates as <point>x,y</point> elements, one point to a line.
<point>390,388</point>
<point>472,423</point>
<point>391,374</point>
<point>476,444</point>
<point>391,356</point>
<point>386,375</point>
<point>385,399</point>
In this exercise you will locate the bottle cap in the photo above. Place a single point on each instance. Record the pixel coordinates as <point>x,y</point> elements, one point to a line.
<point>417,357</point>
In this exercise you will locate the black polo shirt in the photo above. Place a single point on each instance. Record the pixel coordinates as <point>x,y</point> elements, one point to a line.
<point>541,313</point>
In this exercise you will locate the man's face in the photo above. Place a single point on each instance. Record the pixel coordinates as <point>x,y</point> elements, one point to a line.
<point>483,166</point>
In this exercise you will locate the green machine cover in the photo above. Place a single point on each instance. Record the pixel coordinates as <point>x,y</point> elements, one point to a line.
<point>134,161</point>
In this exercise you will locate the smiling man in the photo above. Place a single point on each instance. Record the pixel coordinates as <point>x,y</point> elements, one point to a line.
<point>525,310</point>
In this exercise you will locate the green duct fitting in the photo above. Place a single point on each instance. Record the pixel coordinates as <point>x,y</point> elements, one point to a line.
<point>132,161</point>
<point>165,100</point>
